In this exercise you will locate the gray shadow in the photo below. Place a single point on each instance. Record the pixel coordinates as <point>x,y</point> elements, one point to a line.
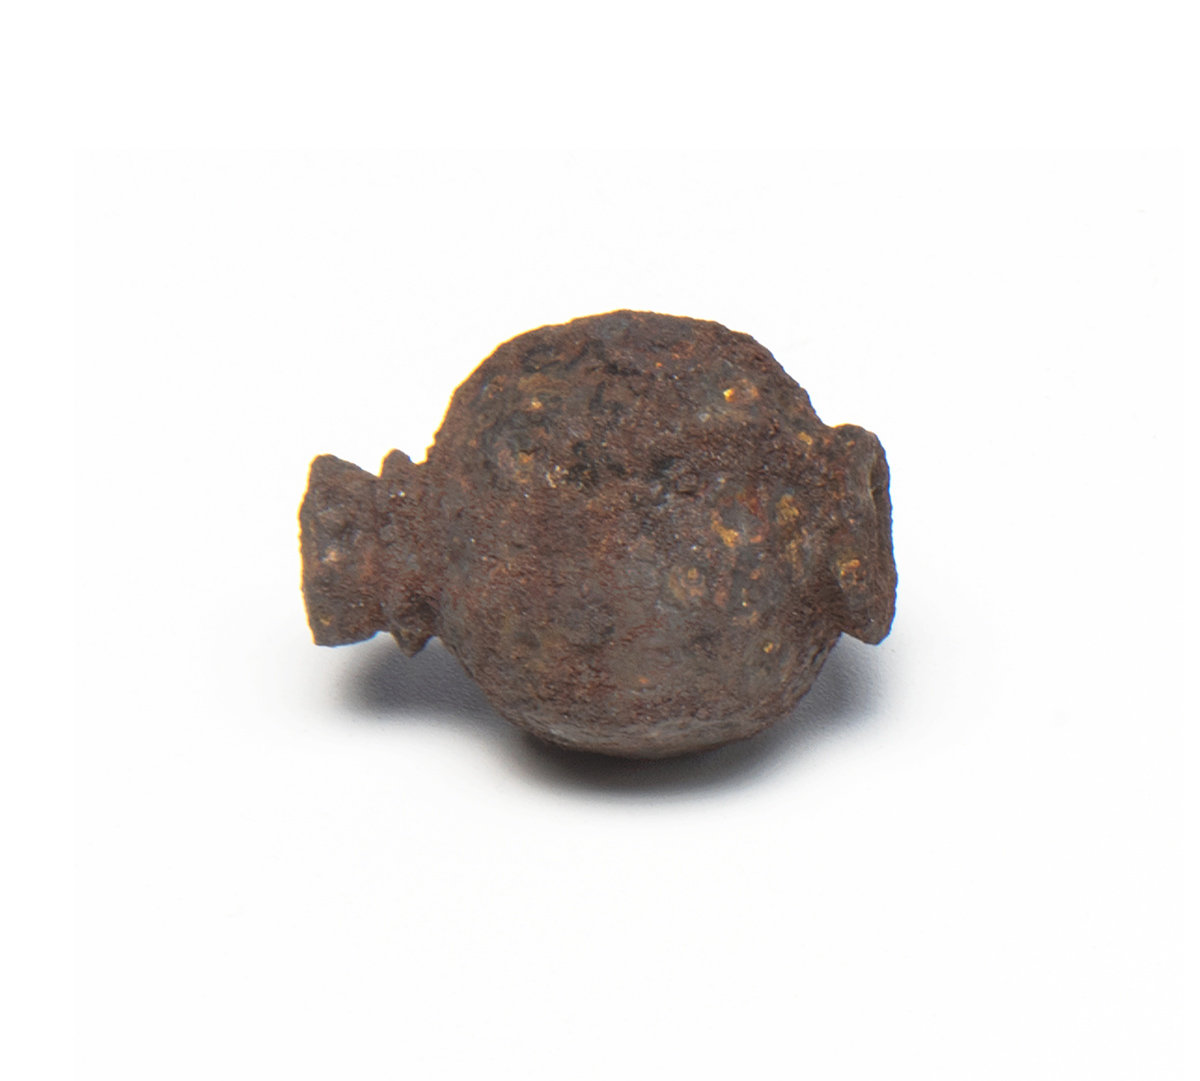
<point>432,683</point>
<point>433,688</point>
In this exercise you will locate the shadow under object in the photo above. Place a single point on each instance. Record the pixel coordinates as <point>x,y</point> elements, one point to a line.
<point>632,530</point>
<point>432,688</point>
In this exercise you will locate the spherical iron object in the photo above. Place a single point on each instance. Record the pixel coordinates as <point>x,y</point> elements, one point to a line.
<point>632,530</point>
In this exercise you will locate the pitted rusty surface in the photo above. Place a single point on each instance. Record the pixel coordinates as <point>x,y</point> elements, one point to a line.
<point>632,530</point>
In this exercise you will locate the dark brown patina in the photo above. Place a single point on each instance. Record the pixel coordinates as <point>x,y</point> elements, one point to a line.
<point>632,530</point>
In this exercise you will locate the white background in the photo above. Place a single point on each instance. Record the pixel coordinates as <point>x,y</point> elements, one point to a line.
<point>965,855</point>
<point>961,853</point>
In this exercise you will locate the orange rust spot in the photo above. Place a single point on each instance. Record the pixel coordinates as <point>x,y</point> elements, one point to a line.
<point>731,537</point>
<point>729,393</point>
<point>850,569</point>
<point>805,438</point>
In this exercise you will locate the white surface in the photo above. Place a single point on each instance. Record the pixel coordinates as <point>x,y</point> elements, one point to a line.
<point>959,859</point>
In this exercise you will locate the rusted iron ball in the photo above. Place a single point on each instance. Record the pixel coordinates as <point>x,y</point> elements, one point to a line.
<point>632,530</point>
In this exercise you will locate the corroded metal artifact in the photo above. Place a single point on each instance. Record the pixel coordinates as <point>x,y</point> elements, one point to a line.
<point>632,530</point>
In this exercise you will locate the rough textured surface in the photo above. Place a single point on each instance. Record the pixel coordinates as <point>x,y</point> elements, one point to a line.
<point>632,530</point>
